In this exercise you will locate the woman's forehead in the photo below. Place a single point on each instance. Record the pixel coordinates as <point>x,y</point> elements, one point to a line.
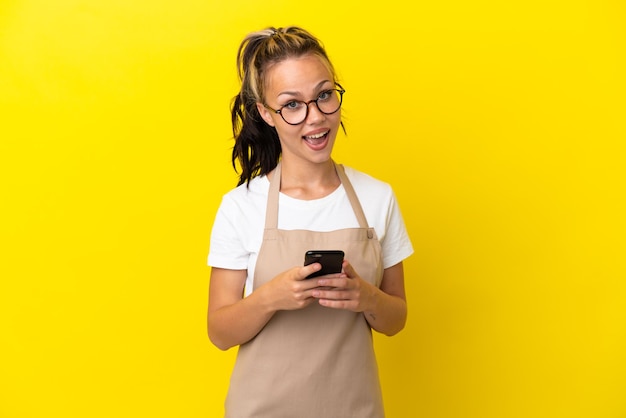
<point>297,74</point>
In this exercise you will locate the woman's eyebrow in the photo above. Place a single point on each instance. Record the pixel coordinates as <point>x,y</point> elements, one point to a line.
<point>295,93</point>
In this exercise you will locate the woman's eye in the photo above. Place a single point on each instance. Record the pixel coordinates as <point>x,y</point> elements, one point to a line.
<point>325,95</point>
<point>292,105</point>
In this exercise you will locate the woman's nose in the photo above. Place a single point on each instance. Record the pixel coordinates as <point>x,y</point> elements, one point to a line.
<point>314,114</point>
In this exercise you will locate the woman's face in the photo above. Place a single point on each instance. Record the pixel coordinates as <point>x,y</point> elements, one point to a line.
<point>303,79</point>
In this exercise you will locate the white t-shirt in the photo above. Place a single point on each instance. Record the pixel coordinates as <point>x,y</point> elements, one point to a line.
<point>240,221</point>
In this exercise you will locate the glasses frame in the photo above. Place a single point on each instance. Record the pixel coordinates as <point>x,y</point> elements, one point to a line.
<point>340,90</point>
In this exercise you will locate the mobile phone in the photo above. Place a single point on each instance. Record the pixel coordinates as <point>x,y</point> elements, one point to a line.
<point>331,261</point>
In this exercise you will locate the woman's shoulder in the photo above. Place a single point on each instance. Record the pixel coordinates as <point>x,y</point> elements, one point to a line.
<point>362,181</point>
<point>248,194</point>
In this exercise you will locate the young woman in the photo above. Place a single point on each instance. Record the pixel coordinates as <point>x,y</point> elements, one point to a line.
<point>305,344</point>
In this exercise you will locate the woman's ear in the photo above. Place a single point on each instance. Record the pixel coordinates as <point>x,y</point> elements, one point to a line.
<point>265,114</point>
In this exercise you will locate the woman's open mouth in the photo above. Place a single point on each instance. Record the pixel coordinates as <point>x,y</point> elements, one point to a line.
<point>317,140</point>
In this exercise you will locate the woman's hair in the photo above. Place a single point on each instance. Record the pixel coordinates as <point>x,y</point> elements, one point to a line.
<point>257,147</point>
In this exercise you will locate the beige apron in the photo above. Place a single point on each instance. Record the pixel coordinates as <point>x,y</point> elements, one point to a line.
<point>315,362</point>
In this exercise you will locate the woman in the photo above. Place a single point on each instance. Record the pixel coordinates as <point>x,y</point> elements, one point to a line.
<point>305,345</point>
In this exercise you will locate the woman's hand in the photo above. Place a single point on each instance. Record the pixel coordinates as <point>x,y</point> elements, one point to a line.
<point>291,289</point>
<point>346,291</point>
<point>384,309</point>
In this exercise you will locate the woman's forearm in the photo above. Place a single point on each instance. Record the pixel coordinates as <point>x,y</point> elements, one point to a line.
<point>387,314</point>
<point>233,319</point>
<point>238,322</point>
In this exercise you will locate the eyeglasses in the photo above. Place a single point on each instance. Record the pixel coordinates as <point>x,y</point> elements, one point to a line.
<point>295,112</point>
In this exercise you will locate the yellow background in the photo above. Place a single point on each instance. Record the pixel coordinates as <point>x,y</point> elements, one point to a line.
<point>499,124</point>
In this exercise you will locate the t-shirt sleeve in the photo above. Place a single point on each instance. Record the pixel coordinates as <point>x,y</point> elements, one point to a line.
<point>396,244</point>
<point>227,249</point>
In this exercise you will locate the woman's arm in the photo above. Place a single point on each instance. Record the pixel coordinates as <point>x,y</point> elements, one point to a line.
<point>384,309</point>
<point>227,307</point>
<point>388,311</point>
<point>233,320</point>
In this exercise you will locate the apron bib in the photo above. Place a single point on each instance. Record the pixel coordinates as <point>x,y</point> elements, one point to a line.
<point>316,362</point>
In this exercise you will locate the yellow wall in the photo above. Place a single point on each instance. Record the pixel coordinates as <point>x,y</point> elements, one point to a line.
<point>499,124</point>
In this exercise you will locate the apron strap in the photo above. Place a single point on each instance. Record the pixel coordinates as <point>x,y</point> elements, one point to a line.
<point>354,200</point>
<point>271,215</point>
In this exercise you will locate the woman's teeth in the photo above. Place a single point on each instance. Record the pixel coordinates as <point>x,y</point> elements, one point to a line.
<point>316,136</point>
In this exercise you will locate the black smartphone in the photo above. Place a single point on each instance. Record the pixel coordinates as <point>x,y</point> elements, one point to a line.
<point>331,261</point>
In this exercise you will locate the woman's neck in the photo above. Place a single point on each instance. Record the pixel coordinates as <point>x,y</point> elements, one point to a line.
<point>308,181</point>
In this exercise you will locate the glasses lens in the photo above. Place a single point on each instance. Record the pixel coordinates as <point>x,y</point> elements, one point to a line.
<point>328,102</point>
<point>294,113</point>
